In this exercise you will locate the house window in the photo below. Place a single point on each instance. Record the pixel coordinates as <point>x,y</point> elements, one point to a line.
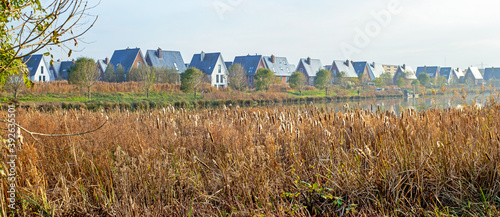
<point>43,78</point>
<point>217,78</point>
<point>221,79</point>
<point>220,69</point>
<point>41,68</point>
<point>39,78</point>
<point>138,64</point>
<point>287,78</point>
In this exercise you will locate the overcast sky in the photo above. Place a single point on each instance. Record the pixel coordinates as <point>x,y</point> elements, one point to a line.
<point>454,33</point>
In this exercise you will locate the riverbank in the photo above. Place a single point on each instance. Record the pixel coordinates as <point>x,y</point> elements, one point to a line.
<point>191,103</point>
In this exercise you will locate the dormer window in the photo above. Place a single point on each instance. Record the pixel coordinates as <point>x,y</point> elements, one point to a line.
<point>176,68</point>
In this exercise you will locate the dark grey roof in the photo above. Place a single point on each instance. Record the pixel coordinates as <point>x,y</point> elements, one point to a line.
<point>64,68</point>
<point>359,67</point>
<point>249,63</point>
<point>491,73</point>
<point>208,64</point>
<point>445,72</point>
<point>169,59</point>
<point>32,62</point>
<point>125,58</point>
<point>432,71</point>
<point>280,66</point>
<point>311,67</point>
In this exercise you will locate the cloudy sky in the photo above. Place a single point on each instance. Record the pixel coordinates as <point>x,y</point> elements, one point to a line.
<point>455,33</point>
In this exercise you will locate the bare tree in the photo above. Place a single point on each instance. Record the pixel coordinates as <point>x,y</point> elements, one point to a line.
<point>84,74</point>
<point>15,83</point>
<point>28,26</point>
<point>168,75</point>
<point>147,75</point>
<point>237,77</point>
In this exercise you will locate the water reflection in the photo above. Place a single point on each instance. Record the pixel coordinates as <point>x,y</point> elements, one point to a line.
<point>424,103</point>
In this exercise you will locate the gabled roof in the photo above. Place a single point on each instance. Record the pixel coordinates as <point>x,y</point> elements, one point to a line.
<point>445,72</point>
<point>64,68</point>
<point>430,70</point>
<point>312,66</point>
<point>102,64</point>
<point>208,63</point>
<point>475,73</point>
<point>249,63</point>
<point>169,59</point>
<point>491,73</point>
<point>458,72</point>
<point>410,73</point>
<point>32,62</point>
<point>376,70</point>
<point>228,64</point>
<point>345,66</point>
<point>359,67</point>
<point>125,57</point>
<point>280,66</point>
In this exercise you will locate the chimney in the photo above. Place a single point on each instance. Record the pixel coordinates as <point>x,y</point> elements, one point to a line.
<point>425,68</point>
<point>159,53</point>
<point>106,61</point>
<point>273,59</point>
<point>347,63</point>
<point>202,56</point>
<point>309,60</point>
<point>404,66</point>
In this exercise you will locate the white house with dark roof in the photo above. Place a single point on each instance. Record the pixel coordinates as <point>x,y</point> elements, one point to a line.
<point>38,68</point>
<point>280,66</point>
<point>452,75</point>
<point>309,67</point>
<point>165,59</point>
<point>213,65</point>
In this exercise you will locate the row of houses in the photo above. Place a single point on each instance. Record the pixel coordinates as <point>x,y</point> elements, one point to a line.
<point>470,76</point>
<point>214,66</point>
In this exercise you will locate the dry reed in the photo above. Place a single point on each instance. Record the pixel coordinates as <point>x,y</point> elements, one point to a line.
<point>268,162</point>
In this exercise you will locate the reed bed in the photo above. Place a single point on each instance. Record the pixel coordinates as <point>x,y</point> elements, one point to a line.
<point>284,161</point>
<point>61,87</point>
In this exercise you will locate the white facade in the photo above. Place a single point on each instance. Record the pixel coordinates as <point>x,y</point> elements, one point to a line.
<point>219,75</point>
<point>42,73</point>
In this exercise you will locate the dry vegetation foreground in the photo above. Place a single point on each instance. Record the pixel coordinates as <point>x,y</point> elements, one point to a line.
<point>260,162</point>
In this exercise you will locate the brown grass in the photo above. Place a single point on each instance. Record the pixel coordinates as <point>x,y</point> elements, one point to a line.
<point>262,162</point>
<point>65,87</point>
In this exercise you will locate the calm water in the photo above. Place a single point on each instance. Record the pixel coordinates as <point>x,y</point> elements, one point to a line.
<point>441,102</point>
